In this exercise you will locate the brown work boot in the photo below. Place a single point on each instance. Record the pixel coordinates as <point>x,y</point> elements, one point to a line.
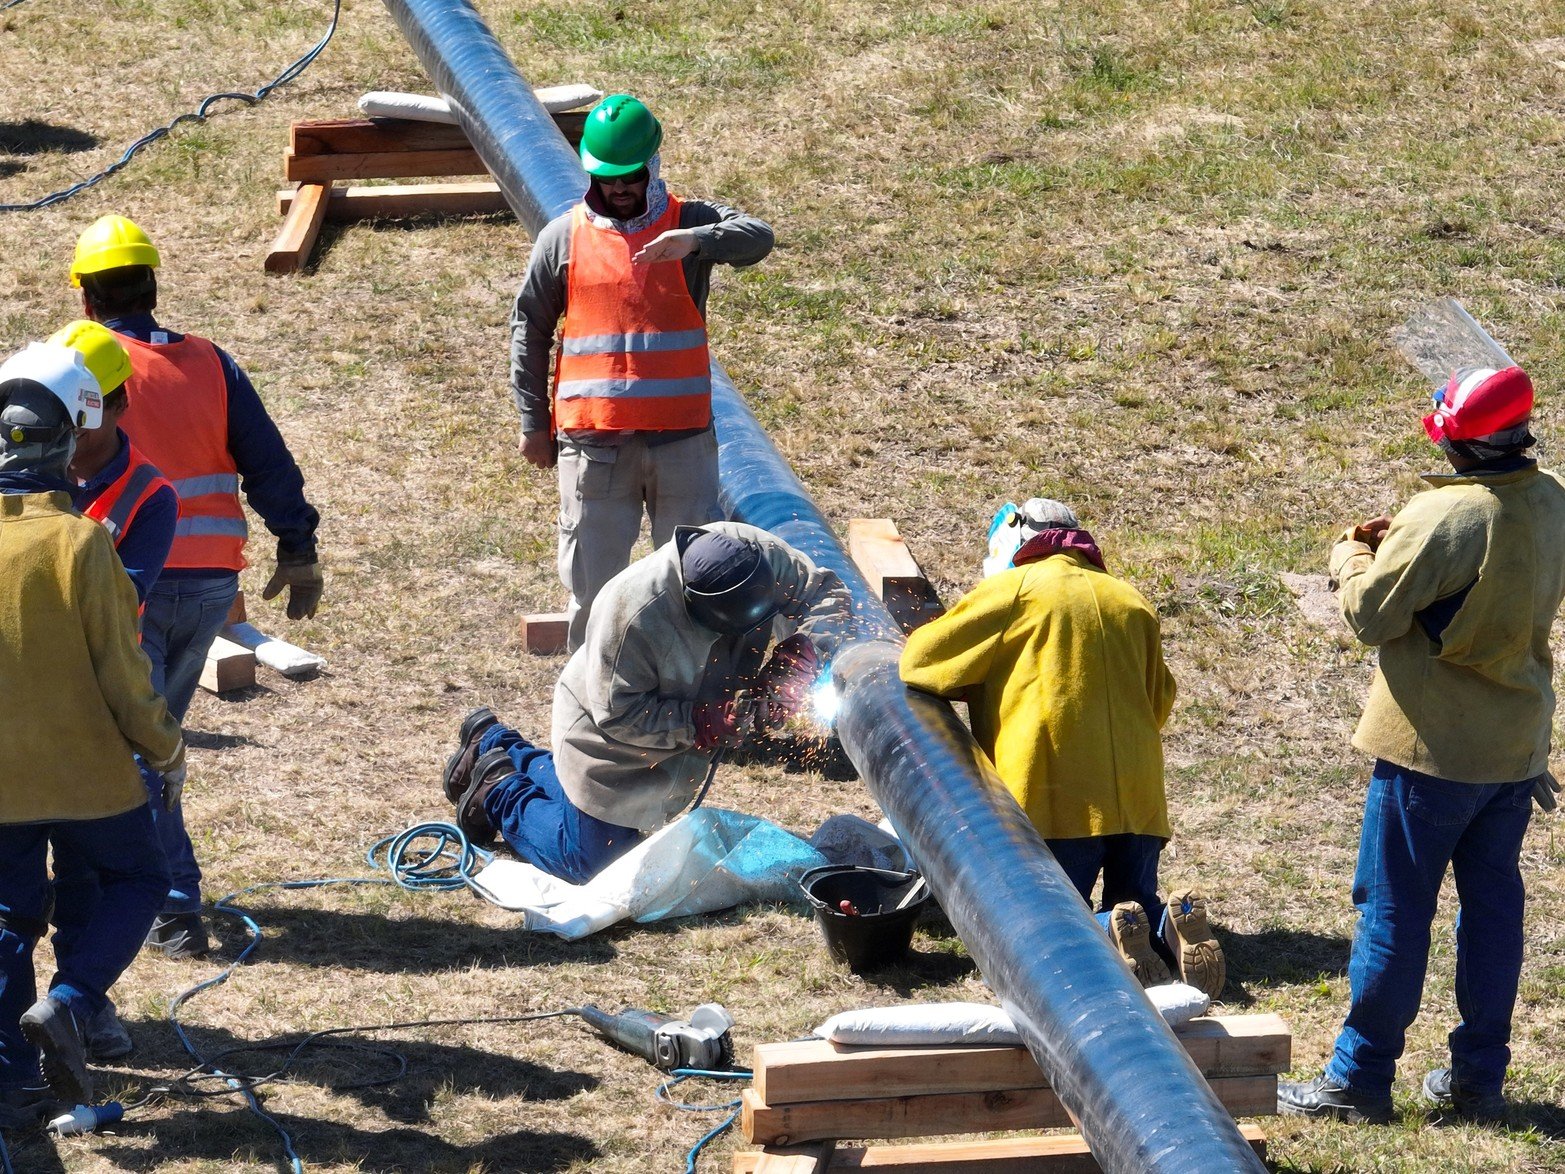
<point>1189,937</point>
<point>488,772</point>
<point>1132,936</point>
<point>460,765</point>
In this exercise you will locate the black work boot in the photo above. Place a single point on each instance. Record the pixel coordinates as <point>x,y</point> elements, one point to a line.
<point>50,1027</point>
<point>1322,1097</point>
<point>488,772</point>
<point>460,765</point>
<point>1448,1095</point>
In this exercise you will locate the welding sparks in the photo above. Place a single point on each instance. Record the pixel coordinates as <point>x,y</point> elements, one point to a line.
<point>824,701</point>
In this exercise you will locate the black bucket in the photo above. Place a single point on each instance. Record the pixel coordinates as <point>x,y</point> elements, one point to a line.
<point>880,933</point>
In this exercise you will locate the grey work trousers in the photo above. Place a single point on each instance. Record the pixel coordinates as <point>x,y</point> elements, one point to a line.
<point>603,489</point>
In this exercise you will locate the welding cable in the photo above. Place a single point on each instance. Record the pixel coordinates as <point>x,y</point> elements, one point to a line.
<point>200,114</point>
<point>679,1076</point>
<point>446,866</point>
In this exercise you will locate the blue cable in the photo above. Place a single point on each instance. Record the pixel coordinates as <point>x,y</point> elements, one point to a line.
<point>5,1154</point>
<point>446,866</point>
<point>678,1076</point>
<point>200,114</point>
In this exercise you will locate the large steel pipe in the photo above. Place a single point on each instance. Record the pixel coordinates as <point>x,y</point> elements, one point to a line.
<point>1140,1101</point>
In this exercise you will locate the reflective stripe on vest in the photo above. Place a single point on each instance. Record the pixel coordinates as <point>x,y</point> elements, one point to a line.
<point>121,500</point>
<point>178,417</point>
<point>633,347</point>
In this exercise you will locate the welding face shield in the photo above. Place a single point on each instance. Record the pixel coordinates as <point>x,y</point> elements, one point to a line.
<point>728,582</point>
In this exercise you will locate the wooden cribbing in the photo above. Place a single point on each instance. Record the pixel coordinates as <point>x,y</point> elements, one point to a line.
<point>545,633</point>
<point>381,165</point>
<point>795,1159</point>
<point>377,136</point>
<point>818,1070</point>
<point>977,1112</point>
<point>228,666</point>
<point>295,240</point>
<point>1058,1154</point>
<point>401,200</point>
<point>880,554</point>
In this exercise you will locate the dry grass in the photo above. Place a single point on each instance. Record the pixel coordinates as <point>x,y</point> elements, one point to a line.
<point>1143,256</point>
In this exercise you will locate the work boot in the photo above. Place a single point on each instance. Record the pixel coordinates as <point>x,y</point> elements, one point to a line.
<point>1132,936</point>
<point>460,765</point>
<point>27,1107</point>
<point>179,935</point>
<point>51,1027</point>
<point>107,1037</point>
<point>488,772</point>
<point>1447,1095</point>
<point>1322,1097</point>
<point>1189,938</point>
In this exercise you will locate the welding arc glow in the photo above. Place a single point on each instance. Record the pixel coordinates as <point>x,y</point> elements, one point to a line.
<point>824,700</point>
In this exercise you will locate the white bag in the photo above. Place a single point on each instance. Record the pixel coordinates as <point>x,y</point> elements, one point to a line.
<point>426,108</point>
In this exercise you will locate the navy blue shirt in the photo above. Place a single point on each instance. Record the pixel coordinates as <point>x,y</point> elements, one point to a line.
<point>268,475</point>
<point>144,546</point>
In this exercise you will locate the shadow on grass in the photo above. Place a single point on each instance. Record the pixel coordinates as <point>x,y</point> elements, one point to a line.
<point>373,1060</point>
<point>1281,956</point>
<point>32,137</point>
<point>10,167</point>
<point>34,1152</point>
<point>221,1137</point>
<point>202,740</point>
<point>798,756</point>
<point>413,945</point>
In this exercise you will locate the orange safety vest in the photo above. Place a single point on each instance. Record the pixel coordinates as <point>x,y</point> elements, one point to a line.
<point>178,417</point>
<point>121,500</point>
<point>633,353</point>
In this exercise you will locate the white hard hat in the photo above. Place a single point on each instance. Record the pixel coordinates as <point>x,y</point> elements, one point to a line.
<point>63,372</point>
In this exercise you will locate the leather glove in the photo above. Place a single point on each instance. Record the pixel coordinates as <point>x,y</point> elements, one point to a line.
<point>721,725</point>
<point>172,769</point>
<point>783,685</point>
<point>1545,791</point>
<point>301,574</point>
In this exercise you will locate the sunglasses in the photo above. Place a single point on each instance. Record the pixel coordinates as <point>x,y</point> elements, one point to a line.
<point>630,180</point>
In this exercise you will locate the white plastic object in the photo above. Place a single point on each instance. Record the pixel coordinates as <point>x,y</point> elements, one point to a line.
<point>278,655</point>
<point>1178,1002</point>
<point>428,108</point>
<point>87,1118</point>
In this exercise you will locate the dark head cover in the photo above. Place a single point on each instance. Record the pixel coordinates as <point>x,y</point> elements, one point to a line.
<point>729,585</point>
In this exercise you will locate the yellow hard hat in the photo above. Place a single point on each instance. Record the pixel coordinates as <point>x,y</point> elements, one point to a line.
<point>104,355</point>
<point>111,242</point>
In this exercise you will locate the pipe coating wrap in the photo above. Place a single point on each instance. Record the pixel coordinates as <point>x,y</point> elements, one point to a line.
<point>1141,1103</point>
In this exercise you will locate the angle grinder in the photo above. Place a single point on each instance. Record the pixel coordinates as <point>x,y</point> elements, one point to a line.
<point>667,1043</point>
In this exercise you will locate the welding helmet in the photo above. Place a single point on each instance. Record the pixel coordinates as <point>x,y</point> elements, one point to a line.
<point>729,586</point>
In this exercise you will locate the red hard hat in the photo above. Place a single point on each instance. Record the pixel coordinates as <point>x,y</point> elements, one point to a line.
<point>1479,402</point>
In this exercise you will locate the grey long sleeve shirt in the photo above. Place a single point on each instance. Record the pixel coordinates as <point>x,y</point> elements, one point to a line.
<point>724,236</point>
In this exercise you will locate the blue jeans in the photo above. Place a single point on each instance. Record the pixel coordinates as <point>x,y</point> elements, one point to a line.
<point>122,852</point>
<point>183,617</point>
<point>1128,863</point>
<point>1414,827</point>
<point>541,825</point>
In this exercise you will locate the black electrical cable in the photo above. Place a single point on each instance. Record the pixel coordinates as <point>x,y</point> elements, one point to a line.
<point>200,114</point>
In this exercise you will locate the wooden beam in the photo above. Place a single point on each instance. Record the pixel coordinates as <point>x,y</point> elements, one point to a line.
<point>545,634</point>
<point>373,136</point>
<point>401,200</point>
<point>818,1070</point>
<point>975,1112</point>
<point>879,552</point>
<point>290,252</point>
<point>795,1159</point>
<point>1057,1154</point>
<point>228,666</point>
<point>236,610</point>
<point>381,165</point>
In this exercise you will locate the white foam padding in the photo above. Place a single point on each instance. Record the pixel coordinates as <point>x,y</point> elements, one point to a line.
<point>428,108</point>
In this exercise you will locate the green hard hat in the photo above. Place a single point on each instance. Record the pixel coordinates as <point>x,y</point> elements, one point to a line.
<point>620,137</point>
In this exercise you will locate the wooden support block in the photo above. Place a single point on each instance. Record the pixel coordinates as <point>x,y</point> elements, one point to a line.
<point>381,165</point>
<point>290,252</point>
<point>236,611</point>
<point>795,1159</point>
<point>1059,1154</point>
<point>228,666</point>
<point>371,136</point>
<point>402,200</point>
<point>880,554</point>
<point>818,1070</point>
<point>545,633</point>
<point>976,1112</point>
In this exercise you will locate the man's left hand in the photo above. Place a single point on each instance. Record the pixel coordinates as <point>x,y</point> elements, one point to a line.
<point>674,245</point>
<point>304,582</point>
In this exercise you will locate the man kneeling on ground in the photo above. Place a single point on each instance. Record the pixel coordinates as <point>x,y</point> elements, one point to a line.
<point>1061,665</point>
<point>673,671</point>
